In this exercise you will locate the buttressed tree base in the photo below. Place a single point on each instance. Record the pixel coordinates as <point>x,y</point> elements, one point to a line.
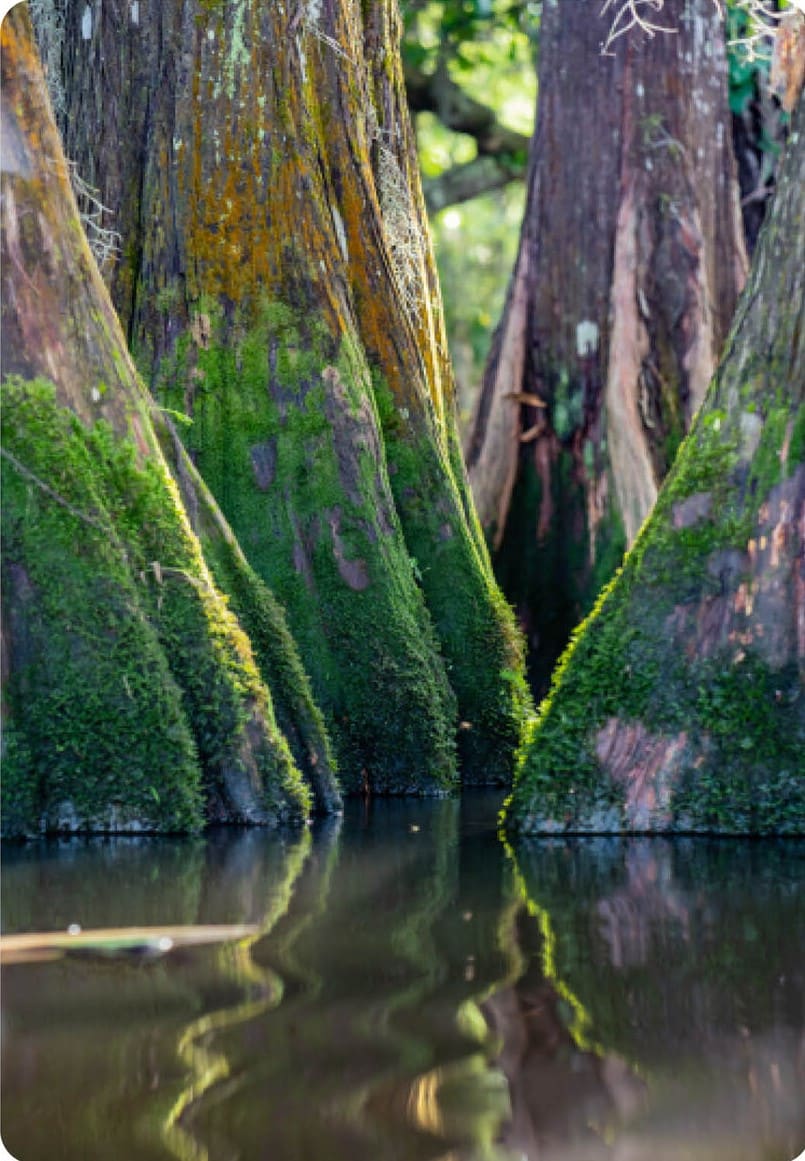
<point>679,705</point>
<point>133,700</point>
<point>278,289</point>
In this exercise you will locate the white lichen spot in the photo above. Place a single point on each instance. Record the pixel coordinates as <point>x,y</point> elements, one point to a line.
<point>751,427</point>
<point>210,34</point>
<point>340,232</point>
<point>639,90</point>
<point>134,11</point>
<point>96,395</point>
<point>14,157</point>
<point>587,335</point>
<point>238,55</point>
<point>86,23</point>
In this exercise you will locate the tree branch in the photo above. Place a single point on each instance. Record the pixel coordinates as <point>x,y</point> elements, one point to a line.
<point>463,182</point>
<point>438,93</point>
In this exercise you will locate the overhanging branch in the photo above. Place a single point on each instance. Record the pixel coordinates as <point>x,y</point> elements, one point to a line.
<point>463,182</point>
<point>502,152</point>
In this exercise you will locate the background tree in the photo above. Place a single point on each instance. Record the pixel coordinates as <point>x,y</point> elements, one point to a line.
<point>680,704</point>
<point>277,286</point>
<point>630,261</point>
<point>132,696</point>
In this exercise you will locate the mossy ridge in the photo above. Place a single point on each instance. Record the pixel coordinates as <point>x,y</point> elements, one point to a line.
<point>127,615</point>
<point>298,716</point>
<point>285,434</point>
<point>101,739</point>
<point>744,720</point>
<point>209,654</point>
<point>482,646</point>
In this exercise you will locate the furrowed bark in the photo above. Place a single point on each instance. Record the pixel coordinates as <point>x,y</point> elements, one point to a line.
<point>631,258</point>
<point>679,706</point>
<point>288,304</point>
<point>132,696</point>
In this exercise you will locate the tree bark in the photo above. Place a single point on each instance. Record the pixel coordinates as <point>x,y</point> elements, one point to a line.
<point>133,699</point>
<point>631,258</point>
<point>680,704</point>
<point>278,287</point>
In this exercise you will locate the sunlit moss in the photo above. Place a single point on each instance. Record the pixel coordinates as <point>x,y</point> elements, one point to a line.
<point>133,688</point>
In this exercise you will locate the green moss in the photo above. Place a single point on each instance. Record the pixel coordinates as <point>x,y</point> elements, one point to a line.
<point>132,683</point>
<point>20,789</point>
<point>298,716</point>
<point>90,691</point>
<point>285,434</point>
<point>482,646</point>
<point>745,721</point>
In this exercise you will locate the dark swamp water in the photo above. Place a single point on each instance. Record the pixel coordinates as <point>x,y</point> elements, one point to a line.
<point>417,993</point>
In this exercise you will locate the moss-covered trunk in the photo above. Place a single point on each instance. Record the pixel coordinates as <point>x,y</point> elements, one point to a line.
<point>131,694</point>
<point>630,262</point>
<point>278,288</point>
<point>680,704</point>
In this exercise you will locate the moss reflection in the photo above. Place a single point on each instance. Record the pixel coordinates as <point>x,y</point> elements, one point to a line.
<point>90,1046</point>
<point>207,1063</point>
<point>678,957</point>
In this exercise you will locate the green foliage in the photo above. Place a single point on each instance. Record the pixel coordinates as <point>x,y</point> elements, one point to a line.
<point>476,246</point>
<point>470,34</point>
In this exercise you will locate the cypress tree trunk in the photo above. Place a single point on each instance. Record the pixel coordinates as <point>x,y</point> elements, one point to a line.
<point>631,259</point>
<point>680,704</point>
<point>278,287</point>
<point>133,699</point>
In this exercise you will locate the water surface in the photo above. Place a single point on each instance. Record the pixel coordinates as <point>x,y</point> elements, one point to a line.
<point>416,992</point>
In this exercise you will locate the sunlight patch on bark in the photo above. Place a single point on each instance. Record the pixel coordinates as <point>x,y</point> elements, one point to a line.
<point>635,487</point>
<point>493,474</point>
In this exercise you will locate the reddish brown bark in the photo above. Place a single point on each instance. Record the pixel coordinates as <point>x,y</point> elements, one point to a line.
<point>680,704</point>
<point>631,259</point>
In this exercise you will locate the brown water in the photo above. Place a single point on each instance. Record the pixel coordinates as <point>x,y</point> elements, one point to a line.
<point>418,993</point>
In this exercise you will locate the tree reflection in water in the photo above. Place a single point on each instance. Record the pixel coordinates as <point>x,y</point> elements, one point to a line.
<point>564,1097</point>
<point>659,1009</point>
<point>414,995</point>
